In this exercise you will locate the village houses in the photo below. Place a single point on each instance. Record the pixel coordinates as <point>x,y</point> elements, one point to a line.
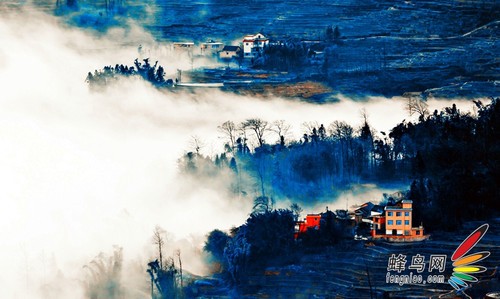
<point>392,222</point>
<point>252,46</point>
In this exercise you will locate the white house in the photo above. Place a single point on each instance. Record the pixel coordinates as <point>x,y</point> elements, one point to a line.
<point>253,45</point>
<point>211,48</point>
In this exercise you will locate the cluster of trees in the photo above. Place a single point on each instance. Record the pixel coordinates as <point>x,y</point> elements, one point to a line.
<point>455,164</point>
<point>263,237</point>
<point>289,56</point>
<point>152,73</point>
<point>267,237</point>
<point>103,276</point>
<point>332,34</point>
<point>449,160</point>
<point>166,277</point>
<point>322,162</point>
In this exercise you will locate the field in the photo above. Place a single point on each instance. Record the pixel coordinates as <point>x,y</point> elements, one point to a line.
<point>439,48</point>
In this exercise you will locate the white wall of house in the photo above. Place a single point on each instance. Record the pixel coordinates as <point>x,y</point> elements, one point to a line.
<point>254,44</point>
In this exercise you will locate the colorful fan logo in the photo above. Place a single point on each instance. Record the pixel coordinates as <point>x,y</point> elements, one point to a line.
<point>464,266</point>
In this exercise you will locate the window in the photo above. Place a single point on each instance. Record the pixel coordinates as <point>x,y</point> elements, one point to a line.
<point>390,222</point>
<point>407,214</point>
<point>398,222</point>
<point>247,44</point>
<point>418,232</point>
<point>389,213</point>
<point>398,214</point>
<point>407,222</point>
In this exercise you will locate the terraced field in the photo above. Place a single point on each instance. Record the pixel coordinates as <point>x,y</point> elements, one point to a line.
<point>229,20</point>
<point>343,273</point>
<point>226,19</point>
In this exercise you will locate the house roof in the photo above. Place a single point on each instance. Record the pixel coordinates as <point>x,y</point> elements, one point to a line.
<point>365,209</point>
<point>212,43</point>
<point>369,209</point>
<point>397,208</point>
<point>255,37</point>
<point>231,48</point>
<point>313,215</point>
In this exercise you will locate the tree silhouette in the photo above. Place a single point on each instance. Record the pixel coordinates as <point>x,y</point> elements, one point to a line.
<point>258,126</point>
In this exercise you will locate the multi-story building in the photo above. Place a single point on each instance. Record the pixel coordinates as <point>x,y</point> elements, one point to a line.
<point>398,223</point>
<point>253,45</point>
<point>393,224</point>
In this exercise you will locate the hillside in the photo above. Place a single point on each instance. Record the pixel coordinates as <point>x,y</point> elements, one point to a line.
<point>440,48</point>
<point>342,271</point>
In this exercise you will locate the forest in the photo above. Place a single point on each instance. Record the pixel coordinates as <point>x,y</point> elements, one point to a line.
<point>448,160</point>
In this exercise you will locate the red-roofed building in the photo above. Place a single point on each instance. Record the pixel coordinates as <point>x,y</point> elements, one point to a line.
<point>253,45</point>
<point>312,221</point>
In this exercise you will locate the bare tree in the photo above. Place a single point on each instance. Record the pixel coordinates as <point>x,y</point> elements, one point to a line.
<point>340,130</point>
<point>296,210</point>
<point>366,134</point>
<point>343,133</point>
<point>197,144</point>
<point>159,239</point>
<point>262,204</point>
<point>364,115</point>
<point>178,254</point>
<point>281,128</point>
<point>230,131</point>
<point>416,104</point>
<point>309,127</point>
<point>258,126</point>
